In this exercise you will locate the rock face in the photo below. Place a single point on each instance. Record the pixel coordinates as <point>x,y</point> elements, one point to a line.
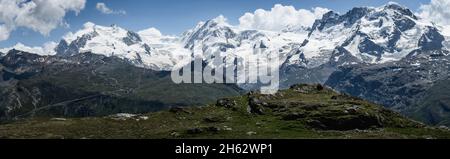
<point>431,40</point>
<point>226,103</point>
<point>433,108</point>
<point>255,106</point>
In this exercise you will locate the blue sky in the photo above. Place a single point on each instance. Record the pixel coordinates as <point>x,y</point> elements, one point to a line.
<point>175,16</point>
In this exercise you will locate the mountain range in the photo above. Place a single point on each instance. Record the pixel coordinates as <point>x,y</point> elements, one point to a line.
<point>387,55</point>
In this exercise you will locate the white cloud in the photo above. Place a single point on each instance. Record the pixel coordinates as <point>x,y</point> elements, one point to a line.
<point>279,17</point>
<point>39,15</point>
<point>438,12</point>
<point>4,32</point>
<point>221,20</point>
<point>47,49</point>
<point>151,32</point>
<point>152,36</point>
<point>106,10</point>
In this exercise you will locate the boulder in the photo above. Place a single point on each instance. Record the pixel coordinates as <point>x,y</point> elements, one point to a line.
<point>213,119</point>
<point>255,106</point>
<point>226,103</point>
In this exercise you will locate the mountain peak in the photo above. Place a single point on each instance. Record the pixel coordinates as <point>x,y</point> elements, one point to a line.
<point>394,5</point>
<point>102,40</point>
<point>217,28</point>
<point>88,25</point>
<point>392,9</point>
<point>217,23</point>
<point>403,10</point>
<point>114,25</point>
<point>94,29</point>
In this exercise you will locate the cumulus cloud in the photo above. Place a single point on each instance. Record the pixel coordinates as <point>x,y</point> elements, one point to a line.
<point>151,32</point>
<point>106,10</point>
<point>437,11</point>
<point>151,35</point>
<point>39,15</point>
<point>280,17</point>
<point>4,32</point>
<point>221,20</point>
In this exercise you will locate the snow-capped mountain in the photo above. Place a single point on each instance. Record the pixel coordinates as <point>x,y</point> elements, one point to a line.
<point>47,49</point>
<point>217,36</point>
<point>362,35</point>
<point>144,49</point>
<point>368,35</point>
<point>400,62</point>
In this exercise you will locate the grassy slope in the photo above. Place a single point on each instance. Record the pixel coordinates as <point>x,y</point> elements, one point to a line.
<point>288,114</point>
